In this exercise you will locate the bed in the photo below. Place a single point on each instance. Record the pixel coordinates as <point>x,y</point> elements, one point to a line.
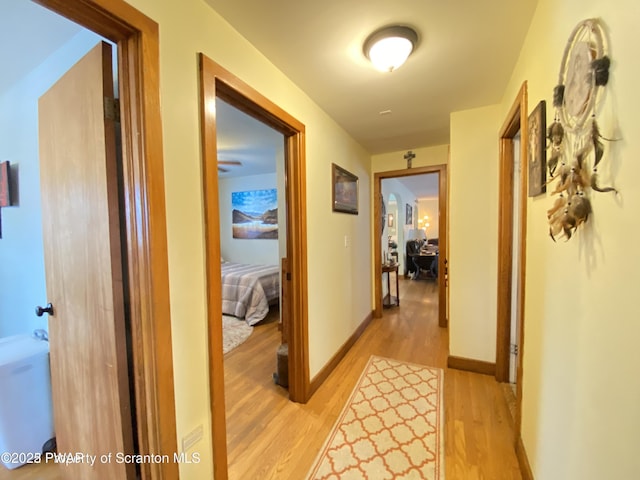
<point>247,290</point>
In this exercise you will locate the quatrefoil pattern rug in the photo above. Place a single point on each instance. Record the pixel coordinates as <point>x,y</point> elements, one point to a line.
<point>391,427</point>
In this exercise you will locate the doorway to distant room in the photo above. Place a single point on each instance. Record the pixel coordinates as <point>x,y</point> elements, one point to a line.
<point>419,219</point>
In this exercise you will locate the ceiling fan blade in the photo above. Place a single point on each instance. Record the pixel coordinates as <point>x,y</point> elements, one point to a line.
<point>223,170</point>
<point>229,162</point>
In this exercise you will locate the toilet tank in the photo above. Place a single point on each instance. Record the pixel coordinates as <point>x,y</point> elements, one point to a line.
<point>26,412</point>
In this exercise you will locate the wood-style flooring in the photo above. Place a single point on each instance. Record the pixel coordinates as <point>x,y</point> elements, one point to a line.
<point>269,437</point>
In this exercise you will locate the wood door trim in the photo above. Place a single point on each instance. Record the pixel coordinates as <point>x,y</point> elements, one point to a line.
<point>137,37</point>
<point>441,170</point>
<point>515,121</point>
<point>216,81</point>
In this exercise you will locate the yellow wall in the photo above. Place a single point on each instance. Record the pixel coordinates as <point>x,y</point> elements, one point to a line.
<point>581,415</point>
<point>425,157</point>
<point>338,298</point>
<point>473,233</point>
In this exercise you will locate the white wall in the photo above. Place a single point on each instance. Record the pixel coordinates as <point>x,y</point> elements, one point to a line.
<point>430,207</point>
<point>22,276</point>
<point>581,358</point>
<point>403,197</point>
<point>241,250</point>
<point>339,299</point>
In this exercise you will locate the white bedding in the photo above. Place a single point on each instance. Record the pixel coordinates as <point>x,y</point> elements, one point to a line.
<point>248,289</point>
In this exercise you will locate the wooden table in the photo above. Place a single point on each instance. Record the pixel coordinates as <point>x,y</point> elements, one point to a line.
<point>390,300</point>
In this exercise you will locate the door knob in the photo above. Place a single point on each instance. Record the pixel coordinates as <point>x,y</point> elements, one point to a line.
<point>41,311</point>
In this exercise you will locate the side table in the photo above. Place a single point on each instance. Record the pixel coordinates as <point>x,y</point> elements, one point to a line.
<point>390,300</point>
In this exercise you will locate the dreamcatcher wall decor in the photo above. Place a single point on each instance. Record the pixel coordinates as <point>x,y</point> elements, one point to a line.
<point>575,142</point>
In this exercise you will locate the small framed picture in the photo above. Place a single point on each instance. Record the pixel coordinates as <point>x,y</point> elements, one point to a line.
<point>537,150</point>
<point>409,215</point>
<point>344,186</point>
<point>5,195</point>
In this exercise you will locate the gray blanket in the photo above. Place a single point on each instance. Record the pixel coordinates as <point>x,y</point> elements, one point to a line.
<point>247,290</point>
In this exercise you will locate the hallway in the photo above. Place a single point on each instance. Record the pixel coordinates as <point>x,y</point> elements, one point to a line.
<point>272,438</point>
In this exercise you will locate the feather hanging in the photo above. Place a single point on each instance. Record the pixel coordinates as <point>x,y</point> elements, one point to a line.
<point>598,147</point>
<point>559,203</point>
<point>580,208</point>
<point>580,154</point>
<point>600,68</point>
<point>555,134</point>
<point>594,185</point>
<point>552,163</point>
<point>558,96</point>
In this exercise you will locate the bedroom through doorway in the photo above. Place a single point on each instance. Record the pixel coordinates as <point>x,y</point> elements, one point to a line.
<point>252,212</point>
<point>217,83</point>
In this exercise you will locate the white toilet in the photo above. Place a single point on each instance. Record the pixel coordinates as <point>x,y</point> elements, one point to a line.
<point>26,412</point>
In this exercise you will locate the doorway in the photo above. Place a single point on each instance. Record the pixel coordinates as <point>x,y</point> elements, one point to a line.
<point>216,82</point>
<point>380,226</point>
<point>144,241</point>
<point>512,249</point>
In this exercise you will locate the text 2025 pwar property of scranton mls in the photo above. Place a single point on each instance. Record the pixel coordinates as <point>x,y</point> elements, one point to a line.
<point>86,458</point>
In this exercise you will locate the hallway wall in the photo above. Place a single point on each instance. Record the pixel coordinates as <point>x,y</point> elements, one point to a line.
<point>339,299</point>
<point>581,383</point>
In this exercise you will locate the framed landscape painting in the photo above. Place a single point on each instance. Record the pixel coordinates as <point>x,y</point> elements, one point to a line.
<point>344,190</point>
<point>255,214</point>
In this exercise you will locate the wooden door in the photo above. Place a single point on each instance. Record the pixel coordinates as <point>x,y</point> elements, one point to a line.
<point>83,262</point>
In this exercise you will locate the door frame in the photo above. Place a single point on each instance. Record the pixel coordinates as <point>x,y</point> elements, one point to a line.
<point>443,232</point>
<point>215,81</point>
<point>137,37</point>
<point>516,121</point>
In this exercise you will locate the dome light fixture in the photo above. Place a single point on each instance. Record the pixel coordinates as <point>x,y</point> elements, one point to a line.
<point>389,47</point>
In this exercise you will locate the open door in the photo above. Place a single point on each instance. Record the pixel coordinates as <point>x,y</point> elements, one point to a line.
<point>83,262</point>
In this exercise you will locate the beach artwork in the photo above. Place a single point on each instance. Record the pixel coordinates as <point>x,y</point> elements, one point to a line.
<point>255,214</point>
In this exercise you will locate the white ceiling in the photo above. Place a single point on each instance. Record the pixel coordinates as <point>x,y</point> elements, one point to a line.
<point>242,138</point>
<point>29,33</point>
<point>466,53</point>
<point>422,186</point>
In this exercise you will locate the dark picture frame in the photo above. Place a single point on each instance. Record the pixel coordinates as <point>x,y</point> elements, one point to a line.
<point>537,149</point>
<point>344,190</point>
<point>409,215</point>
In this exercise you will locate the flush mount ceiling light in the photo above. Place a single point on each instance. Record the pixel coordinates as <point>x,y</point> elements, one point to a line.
<point>389,47</point>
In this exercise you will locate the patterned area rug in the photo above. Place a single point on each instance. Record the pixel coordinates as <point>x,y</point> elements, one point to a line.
<point>234,332</point>
<point>391,427</point>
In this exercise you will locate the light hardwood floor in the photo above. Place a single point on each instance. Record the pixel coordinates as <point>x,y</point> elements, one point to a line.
<point>269,437</point>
